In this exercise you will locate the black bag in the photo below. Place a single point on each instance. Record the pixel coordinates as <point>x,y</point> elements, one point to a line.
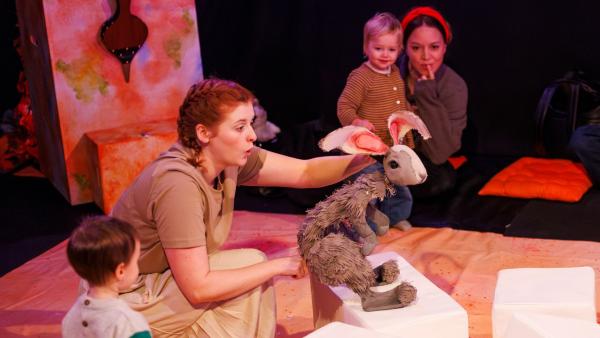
<point>566,104</point>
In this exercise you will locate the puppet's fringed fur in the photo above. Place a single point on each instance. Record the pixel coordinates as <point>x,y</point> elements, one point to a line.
<point>347,205</point>
<point>334,261</point>
<point>389,271</point>
<point>333,257</point>
<point>406,293</point>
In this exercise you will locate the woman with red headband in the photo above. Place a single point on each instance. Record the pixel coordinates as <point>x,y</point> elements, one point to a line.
<point>437,93</point>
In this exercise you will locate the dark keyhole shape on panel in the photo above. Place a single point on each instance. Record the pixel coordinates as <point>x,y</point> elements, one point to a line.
<point>123,35</point>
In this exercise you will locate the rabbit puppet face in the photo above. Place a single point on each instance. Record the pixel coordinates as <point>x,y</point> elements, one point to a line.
<point>403,167</point>
<point>401,164</point>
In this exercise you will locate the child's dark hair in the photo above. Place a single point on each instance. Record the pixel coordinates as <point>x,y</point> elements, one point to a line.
<point>98,245</point>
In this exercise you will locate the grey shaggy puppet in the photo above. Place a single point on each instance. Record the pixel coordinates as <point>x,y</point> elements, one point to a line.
<point>328,236</point>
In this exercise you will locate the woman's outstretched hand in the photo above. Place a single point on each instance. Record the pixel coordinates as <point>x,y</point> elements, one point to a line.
<point>293,266</point>
<point>302,271</point>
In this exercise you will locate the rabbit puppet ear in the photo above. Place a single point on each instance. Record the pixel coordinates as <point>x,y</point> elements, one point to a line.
<point>354,140</point>
<point>401,122</point>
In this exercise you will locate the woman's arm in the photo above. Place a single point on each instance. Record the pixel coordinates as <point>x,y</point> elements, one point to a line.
<point>178,208</point>
<point>443,107</point>
<point>199,284</point>
<point>284,171</point>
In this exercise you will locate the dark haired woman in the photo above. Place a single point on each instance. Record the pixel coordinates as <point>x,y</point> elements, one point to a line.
<point>437,94</point>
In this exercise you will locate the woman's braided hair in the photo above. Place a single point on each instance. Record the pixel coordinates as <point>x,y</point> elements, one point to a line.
<point>206,103</point>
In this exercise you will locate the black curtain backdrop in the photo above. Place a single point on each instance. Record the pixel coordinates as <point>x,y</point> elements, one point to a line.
<point>11,64</point>
<point>295,56</point>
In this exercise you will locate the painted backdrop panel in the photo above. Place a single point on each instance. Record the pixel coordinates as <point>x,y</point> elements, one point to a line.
<point>91,91</point>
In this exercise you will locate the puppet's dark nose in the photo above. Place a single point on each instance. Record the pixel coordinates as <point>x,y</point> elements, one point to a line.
<point>394,164</point>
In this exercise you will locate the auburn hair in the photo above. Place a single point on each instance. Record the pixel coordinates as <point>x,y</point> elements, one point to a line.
<point>206,103</point>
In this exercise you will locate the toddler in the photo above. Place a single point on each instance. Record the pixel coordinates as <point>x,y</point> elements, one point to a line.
<point>374,91</point>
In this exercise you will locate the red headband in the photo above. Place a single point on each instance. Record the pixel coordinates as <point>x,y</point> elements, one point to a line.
<point>428,11</point>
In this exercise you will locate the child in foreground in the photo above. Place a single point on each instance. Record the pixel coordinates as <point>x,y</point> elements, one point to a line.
<point>104,251</point>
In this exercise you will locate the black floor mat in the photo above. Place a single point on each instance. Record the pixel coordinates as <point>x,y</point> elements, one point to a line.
<point>462,208</point>
<point>35,217</point>
<point>261,199</point>
<point>560,220</point>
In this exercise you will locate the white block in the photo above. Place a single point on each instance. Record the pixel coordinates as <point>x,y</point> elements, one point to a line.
<point>564,292</point>
<point>534,325</point>
<point>343,330</point>
<point>434,314</point>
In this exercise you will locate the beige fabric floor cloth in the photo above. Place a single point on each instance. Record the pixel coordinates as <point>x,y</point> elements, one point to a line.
<point>35,296</point>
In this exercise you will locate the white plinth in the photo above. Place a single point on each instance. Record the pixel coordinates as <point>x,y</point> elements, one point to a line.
<point>343,330</point>
<point>434,314</point>
<point>534,325</point>
<point>563,292</point>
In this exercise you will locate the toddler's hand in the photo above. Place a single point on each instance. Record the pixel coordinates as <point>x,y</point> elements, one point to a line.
<point>363,123</point>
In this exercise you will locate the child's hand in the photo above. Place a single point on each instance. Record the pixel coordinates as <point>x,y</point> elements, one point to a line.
<point>363,123</point>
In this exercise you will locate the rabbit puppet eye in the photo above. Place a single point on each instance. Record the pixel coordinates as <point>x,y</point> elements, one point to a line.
<point>393,164</point>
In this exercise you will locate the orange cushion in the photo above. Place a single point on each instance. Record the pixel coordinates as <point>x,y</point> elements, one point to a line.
<point>551,179</point>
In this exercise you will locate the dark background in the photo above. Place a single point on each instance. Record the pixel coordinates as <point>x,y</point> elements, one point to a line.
<point>11,64</point>
<point>295,56</point>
